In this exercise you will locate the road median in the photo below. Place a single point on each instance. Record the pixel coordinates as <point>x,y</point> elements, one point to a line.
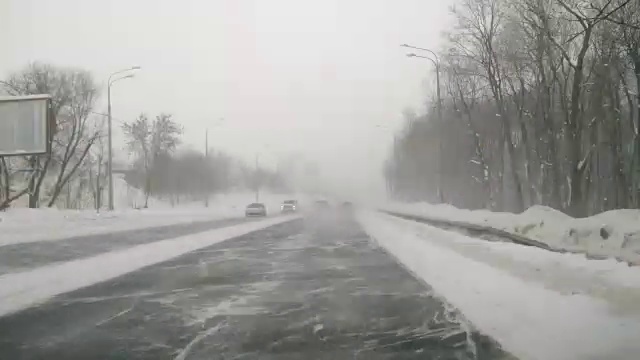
<point>22,290</point>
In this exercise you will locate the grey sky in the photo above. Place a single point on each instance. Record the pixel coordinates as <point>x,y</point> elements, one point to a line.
<point>288,76</point>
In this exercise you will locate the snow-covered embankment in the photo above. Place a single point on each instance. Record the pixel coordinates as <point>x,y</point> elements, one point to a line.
<point>537,304</point>
<point>614,234</point>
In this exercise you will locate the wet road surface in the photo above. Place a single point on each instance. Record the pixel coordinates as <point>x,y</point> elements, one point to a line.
<point>24,256</point>
<point>314,288</point>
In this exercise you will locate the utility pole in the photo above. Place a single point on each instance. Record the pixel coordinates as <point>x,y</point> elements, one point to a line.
<point>257,179</point>
<point>206,159</point>
<point>109,147</point>
<point>436,63</point>
<point>109,124</point>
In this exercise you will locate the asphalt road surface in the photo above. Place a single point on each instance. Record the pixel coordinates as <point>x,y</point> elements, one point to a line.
<point>313,288</point>
<point>24,256</point>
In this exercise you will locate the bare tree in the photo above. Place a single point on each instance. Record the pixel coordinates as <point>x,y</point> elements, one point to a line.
<point>97,170</point>
<point>138,134</point>
<point>628,39</point>
<point>77,132</point>
<point>149,141</point>
<point>7,193</point>
<point>73,94</point>
<point>482,23</point>
<point>547,91</point>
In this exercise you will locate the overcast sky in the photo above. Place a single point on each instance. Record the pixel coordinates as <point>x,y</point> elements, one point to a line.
<point>314,78</point>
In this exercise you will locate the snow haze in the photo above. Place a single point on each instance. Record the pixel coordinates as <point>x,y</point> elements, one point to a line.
<point>314,79</point>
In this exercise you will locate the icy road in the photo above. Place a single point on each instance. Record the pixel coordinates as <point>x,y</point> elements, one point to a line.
<point>310,288</point>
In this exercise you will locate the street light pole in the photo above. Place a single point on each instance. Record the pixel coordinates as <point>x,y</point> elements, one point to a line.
<point>109,124</point>
<point>206,160</point>
<point>436,63</point>
<point>206,156</point>
<point>109,146</point>
<point>258,176</point>
<point>258,180</point>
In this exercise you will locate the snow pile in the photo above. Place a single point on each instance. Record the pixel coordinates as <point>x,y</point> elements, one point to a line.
<point>613,233</point>
<point>537,304</point>
<point>28,225</point>
<point>21,290</point>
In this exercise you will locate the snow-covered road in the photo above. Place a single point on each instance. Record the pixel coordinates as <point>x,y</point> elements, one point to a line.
<point>314,288</point>
<point>320,280</point>
<point>29,255</point>
<point>20,290</point>
<point>537,304</point>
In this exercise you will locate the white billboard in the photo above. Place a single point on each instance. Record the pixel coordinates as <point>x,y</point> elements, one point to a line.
<point>24,125</point>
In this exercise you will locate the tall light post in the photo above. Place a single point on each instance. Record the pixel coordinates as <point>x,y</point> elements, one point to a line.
<point>206,156</point>
<point>110,82</point>
<point>436,63</point>
<point>258,177</point>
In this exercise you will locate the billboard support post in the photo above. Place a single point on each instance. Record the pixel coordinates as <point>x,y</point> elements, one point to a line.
<point>27,126</point>
<point>34,196</point>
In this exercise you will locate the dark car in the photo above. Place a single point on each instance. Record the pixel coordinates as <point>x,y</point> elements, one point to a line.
<point>256,209</point>
<point>289,206</point>
<point>347,205</point>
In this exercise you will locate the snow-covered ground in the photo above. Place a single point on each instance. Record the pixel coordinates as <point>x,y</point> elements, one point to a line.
<point>537,304</point>
<point>19,225</point>
<point>613,233</point>
<point>25,289</point>
<point>128,197</point>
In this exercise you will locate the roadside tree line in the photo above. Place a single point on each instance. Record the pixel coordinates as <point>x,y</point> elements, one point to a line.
<point>191,175</point>
<point>186,175</point>
<point>540,105</point>
<point>74,174</point>
<point>58,178</point>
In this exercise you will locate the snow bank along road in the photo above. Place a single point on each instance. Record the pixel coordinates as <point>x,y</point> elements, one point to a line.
<point>22,289</point>
<point>309,288</point>
<point>537,304</point>
<point>24,256</point>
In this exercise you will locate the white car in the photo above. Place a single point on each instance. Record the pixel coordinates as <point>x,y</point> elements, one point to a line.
<point>256,209</point>
<point>289,206</point>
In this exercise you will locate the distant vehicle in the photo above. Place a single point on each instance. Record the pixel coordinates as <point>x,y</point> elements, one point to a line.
<point>289,206</point>
<point>256,209</point>
<point>347,205</point>
<point>322,204</point>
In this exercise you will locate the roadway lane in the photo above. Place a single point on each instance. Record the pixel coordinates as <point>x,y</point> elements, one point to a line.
<point>314,288</point>
<point>25,256</point>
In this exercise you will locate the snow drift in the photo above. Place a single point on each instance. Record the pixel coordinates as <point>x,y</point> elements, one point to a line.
<point>537,304</point>
<point>613,233</point>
